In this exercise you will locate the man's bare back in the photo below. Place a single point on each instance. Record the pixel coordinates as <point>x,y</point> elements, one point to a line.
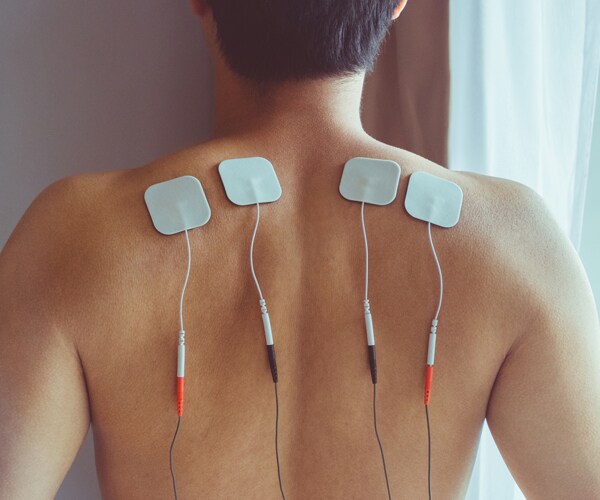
<point>89,304</point>
<point>89,321</point>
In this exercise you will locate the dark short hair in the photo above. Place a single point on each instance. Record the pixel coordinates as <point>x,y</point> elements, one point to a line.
<point>280,40</point>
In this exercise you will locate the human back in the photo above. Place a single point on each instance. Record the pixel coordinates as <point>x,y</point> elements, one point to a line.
<point>100,288</point>
<point>89,315</point>
<point>309,259</point>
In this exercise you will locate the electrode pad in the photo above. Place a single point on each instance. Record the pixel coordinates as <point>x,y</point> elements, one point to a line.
<point>177,204</point>
<point>370,180</point>
<point>249,181</point>
<point>433,199</point>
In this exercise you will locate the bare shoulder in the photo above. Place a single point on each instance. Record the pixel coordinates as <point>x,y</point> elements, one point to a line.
<point>57,224</point>
<point>41,283</point>
<point>520,232</point>
<point>66,243</point>
<point>517,257</point>
<point>506,227</point>
<point>519,240</point>
<point>53,215</point>
<point>77,218</point>
<point>545,396</point>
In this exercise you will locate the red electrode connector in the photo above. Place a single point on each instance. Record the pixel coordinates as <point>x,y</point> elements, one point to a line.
<point>430,360</point>
<point>428,379</point>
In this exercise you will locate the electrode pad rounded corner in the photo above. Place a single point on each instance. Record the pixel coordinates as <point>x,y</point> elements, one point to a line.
<point>177,204</point>
<point>432,199</point>
<point>370,180</point>
<point>249,181</point>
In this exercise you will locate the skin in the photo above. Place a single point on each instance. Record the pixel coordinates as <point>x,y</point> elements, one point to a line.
<point>89,320</point>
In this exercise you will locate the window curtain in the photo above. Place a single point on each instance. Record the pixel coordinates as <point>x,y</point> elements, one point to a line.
<point>523,87</point>
<point>406,97</point>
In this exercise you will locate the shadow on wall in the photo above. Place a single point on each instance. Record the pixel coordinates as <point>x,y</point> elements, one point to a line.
<point>94,86</point>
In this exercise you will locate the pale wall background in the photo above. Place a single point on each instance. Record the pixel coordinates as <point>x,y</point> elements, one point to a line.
<point>94,86</point>
<point>101,85</point>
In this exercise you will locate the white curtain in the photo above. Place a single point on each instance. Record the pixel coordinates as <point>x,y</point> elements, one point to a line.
<point>523,87</point>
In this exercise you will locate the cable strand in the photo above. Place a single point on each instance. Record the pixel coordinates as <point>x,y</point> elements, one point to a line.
<point>387,482</point>
<point>277,441</point>
<point>428,452</point>
<point>171,458</point>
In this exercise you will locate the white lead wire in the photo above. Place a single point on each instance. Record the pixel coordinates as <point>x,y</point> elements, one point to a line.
<point>362,219</point>
<point>366,305</point>
<point>262,302</point>
<point>187,277</point>
<point>252,251</point>
<point>439,268</point>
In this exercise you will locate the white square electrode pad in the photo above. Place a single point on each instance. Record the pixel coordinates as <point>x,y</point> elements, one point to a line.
<point>370,180</point>
<point>433,199</point>
<point>177,205</point>
<point>249,181</point>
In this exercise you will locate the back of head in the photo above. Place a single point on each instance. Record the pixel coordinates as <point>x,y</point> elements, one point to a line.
<point>282,40</point>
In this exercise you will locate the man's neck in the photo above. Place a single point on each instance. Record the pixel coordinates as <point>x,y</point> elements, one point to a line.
<point>304,109</point>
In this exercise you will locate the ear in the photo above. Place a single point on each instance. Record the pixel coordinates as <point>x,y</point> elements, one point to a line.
<point>398,10</point>
<point>200,7</point>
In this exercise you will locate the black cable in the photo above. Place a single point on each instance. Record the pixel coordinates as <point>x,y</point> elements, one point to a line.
<point>171,458</point>
<point>429,452</point>
<point>277,441</point>
<point>387,482</point>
